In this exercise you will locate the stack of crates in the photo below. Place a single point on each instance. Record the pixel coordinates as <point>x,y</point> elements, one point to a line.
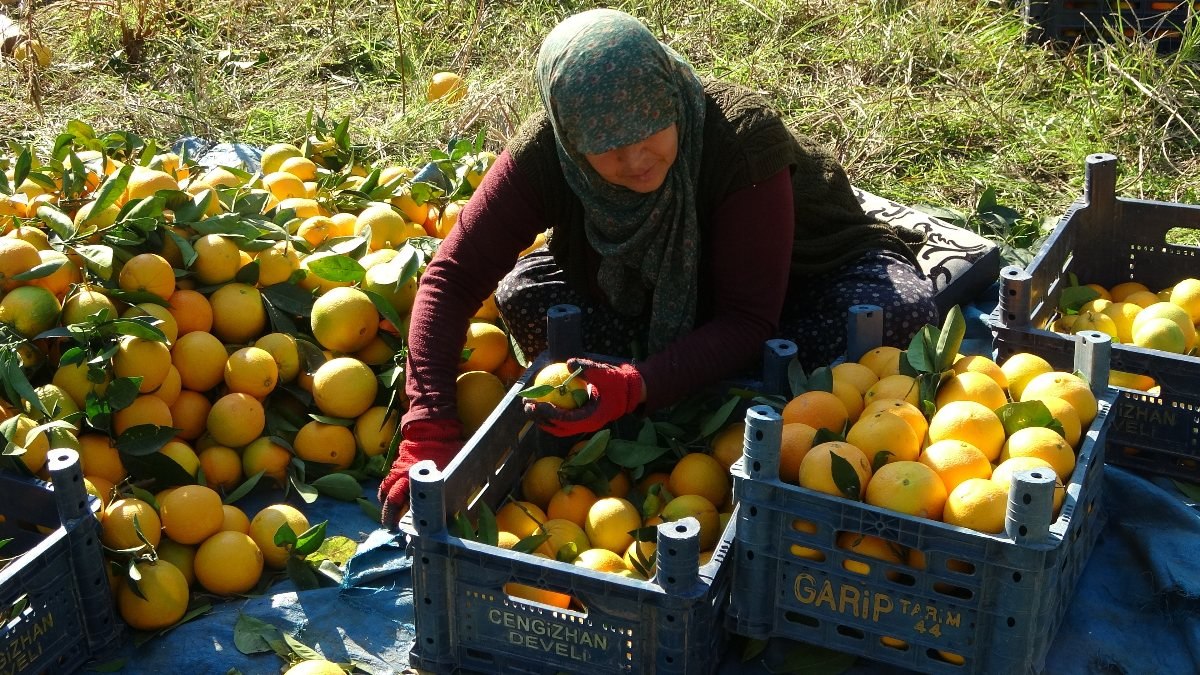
<point>1107,239</point>
<point>1089,20</point>
<point>961,602</point>
<point>56,609</point>
<point>466,622</point>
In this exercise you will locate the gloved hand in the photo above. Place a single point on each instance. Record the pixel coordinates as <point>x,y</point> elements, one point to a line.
<point>439,440</point>
<point>613,392</point>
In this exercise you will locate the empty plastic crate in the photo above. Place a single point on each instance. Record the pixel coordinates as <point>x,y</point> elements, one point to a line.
<point>56,610</point>
<point>1107,239</point>
<point>1092,20</point>
<point>968,602</point>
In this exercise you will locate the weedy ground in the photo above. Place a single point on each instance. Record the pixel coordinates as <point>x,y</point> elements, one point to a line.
<point>940,103</point>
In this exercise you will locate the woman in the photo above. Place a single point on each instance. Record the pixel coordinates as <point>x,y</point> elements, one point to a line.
<point>687,222</point>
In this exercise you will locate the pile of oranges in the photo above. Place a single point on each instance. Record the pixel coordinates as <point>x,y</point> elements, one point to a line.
<point>954,465</point>
<point>1133,314</point>
<point>197,333</point>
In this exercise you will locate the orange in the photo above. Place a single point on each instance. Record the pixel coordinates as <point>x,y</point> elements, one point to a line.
<point>117,528</point>
<point>344,387</point>
<point>311,281</point>
<point>344,319</point>
<point>302,167</point>
<point>705,513</point>
<point>969,421</point>
<point>572,503</point>
<point>238,313</point>
<point>415,213</point>
<point>982,364</point>
<point>147,359</point>
<point>882,361</point>
<point>907,487</point>
<point>1005,471</point>
<point>384,279</point>
<point>148,273</point>
<point>283,349</point>
<point>561,533</point>
<point>16,256</point>
<point>276,264</point>
<point>540,482</point>
<point>1067,417</point>
<point>1066,386</point>
<point>282,185</point>
<point>228,563</point>
<point>161,318</point>
<point>972,386</point>
<point>868,546</point>
<point>217,259</point>
<point>1123,290</point>
<point>609,522</point>
<point>182,556</point>
<point>251,370</point>
<point>884,437</point>
<point>488,347</point>
<point>533,593</point>
<point>235,519</point>
<point>267,456</point>
<point>73,379</point>
<point>60,280</point>
<point>145,409</point>
<point>520,518</point>
<point>796,441</point>
<point>183,455</point>
<point>191,310</point>
<point>274,154</point>
<point>267,522</point>
<point>857,375</point>
<point>1020,368</point>
<point>330,444</point>
<point>375,429</point>
<point>955,461</point>
<point>697,473</point>
<point>478,394</point>
<point>1044,444</point>
<point>189,414</point>
<point>222,467</point>
<point>850,397</point>
<point>816,470</point>
<point>191,513</point>
<point>36,445</point>
<point>903,387</point>
<point>163,600</point>
<point>236,419</point>
<point>601,559</point>
<point>29,310</point>
<point>385,227</point>
<point>818,409</point>
<point>446,87</point>
<point>726,445</point>
<point>557,375</point>
<point>978,504</point>
<point>99,457</point>
<point>904,410</point>
<point>83,303</point>
<point>145,182</point>
<point>200,358</point>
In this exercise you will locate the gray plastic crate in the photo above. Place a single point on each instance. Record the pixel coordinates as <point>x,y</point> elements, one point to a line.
<point>1107,239</point>
<point>465,622</point>
<point>56,610</point>
<point>995,600</point>
<point>1091,20</point>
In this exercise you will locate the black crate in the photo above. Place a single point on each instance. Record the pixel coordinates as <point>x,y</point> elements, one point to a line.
<point>1107,239</point>
<point>1068,21</point>
<point>56,609</point>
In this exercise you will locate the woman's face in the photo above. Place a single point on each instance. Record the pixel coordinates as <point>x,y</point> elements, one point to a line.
<point>642,166</point>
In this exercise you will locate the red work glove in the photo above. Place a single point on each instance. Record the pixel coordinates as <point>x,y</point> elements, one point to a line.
<point>439,440</point>
<point>613,392</point>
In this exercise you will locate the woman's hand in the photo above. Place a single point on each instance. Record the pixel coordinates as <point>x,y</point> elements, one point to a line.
<point>613,392</point>
<point>439,440</point>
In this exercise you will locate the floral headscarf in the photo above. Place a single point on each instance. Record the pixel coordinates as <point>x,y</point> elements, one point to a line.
<point>607,82</point>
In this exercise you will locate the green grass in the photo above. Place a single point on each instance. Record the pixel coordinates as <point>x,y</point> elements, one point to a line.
<point>936,103</point>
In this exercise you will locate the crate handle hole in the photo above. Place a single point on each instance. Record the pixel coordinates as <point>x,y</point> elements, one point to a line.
<point>757,466</point>
<point>1012,623</point>
<point>1016,576</point>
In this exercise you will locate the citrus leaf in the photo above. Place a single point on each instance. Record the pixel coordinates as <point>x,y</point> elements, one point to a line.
<point>717,420</point>
<point>144,439</point>
<point>488,531</point>
<point>531,543</point>
<point>311,539</point>
<point>337,268</point>
<point>461,526</point>
<point>252,635</point>
<point>797,379</point>
<point>592,450</point>
<point>57,221</point>
<point>630,454</point>
<point>98,258</point>
<point>845,477</point>
<point>337,549</point>
<point>338,486</point>
<point>954,328</point>
<point>303,576</point>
